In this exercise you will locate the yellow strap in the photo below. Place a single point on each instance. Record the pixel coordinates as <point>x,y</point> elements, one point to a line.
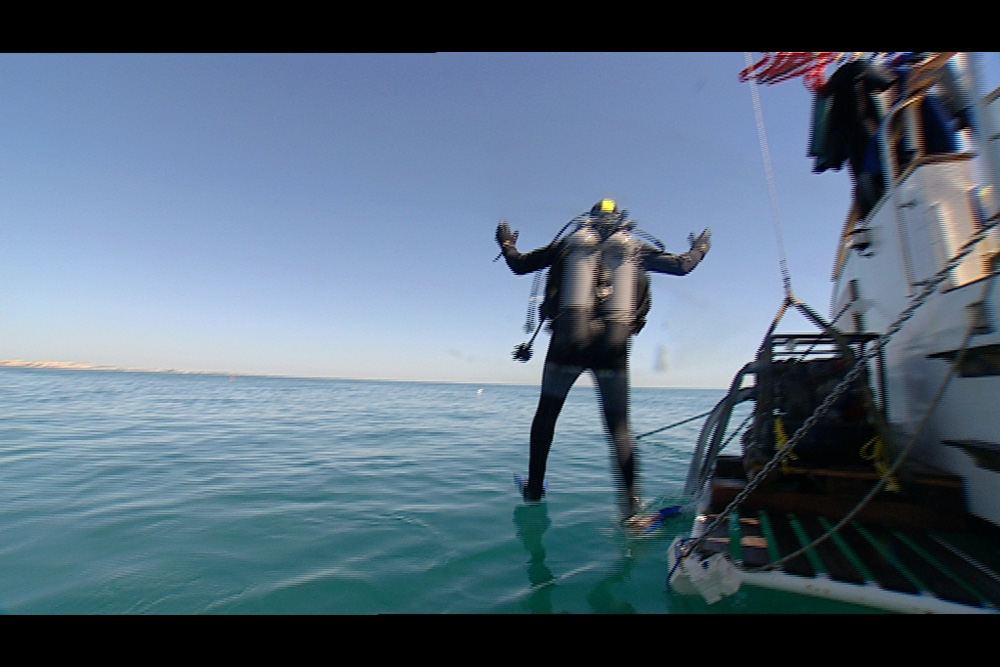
<point>874,450</point>
<point>782,442</point>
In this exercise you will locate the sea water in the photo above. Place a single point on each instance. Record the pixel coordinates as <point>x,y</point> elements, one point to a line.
<point>160,493</point>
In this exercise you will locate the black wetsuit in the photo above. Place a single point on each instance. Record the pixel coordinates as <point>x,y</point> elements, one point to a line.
<point>605,354</point>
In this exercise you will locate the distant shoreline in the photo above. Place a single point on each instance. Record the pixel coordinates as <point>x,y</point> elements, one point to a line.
<point>81,366</point>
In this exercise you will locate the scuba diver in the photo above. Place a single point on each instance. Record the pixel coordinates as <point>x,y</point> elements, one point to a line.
<point>596,298</point>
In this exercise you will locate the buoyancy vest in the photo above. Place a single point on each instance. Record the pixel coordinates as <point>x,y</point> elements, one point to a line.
<point>599,278</point>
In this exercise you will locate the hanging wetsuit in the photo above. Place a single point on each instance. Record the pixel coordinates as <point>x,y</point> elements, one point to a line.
<point>845,122</point>
<point>596,298</point>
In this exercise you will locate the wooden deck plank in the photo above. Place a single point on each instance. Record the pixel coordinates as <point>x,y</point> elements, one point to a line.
<point>886,509</point>
<point>753,543</point>
<point>717,541</point>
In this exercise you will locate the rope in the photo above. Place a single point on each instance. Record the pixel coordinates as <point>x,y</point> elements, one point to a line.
<point>769,175</point>
<point>875,451</point>
<point>684,421</point>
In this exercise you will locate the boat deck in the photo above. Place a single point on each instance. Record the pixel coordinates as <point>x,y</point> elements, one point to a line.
<point>919,543</point>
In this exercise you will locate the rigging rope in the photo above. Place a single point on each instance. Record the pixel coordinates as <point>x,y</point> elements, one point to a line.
<point>769,175</point>
<point>683,421</point>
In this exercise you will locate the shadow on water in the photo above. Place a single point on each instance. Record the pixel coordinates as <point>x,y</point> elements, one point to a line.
<point>531,522</point>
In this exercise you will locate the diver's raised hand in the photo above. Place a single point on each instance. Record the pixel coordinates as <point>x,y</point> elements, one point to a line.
<point>703,242</point>
<point>505,237</point>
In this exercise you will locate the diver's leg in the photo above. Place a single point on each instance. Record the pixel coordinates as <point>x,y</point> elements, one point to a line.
<point>557,379</point>
<point>613,386</point>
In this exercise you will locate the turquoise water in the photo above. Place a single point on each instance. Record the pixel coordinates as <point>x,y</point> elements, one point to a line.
<point>146,493</point>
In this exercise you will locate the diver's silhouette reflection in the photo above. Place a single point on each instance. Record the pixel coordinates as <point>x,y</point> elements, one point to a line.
<point>531,522</point>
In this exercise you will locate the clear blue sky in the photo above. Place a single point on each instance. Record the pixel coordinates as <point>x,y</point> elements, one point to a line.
<point>333,215</point>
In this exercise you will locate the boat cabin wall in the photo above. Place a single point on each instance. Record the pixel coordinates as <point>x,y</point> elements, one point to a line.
<point>930,209</point>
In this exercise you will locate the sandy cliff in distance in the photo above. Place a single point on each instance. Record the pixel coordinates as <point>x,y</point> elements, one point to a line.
<point>47,364</point>
<point>79,366</point>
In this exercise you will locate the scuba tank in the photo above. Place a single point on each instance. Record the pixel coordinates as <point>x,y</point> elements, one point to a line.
<point>578,286</point>
<point>617,289</point>
<point>597,289</point>
<point>579,276</point>
<point>616,292</point>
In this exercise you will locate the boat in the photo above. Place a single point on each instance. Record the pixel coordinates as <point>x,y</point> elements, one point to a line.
<point>868,469</point>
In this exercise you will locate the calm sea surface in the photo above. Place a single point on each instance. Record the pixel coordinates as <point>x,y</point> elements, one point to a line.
<point>146,493</point>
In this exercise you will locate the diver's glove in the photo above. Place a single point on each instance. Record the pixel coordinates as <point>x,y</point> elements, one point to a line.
<point>505,237</point>
<point>702,243</point>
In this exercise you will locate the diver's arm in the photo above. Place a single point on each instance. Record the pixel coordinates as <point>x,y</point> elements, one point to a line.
<point>678,265</point>
<point>521,263</point>
<point>527,262</point>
